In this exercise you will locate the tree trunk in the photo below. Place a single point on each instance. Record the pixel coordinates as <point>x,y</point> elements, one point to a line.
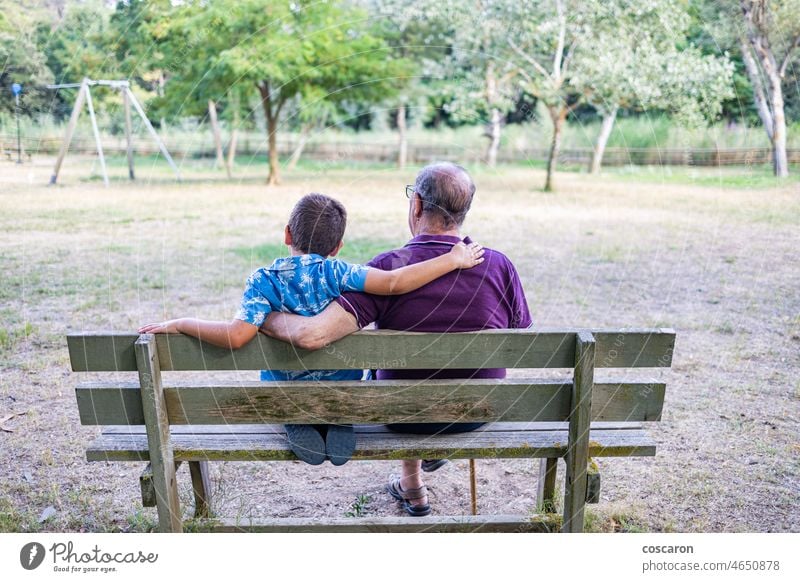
<point>756,18</point>
<point>272,133</point>
<point>402,145</point>
<point>494,138</point>
<point>602,140</point>
<point>231,152</point>
<point>212,116</point>
<point>558,116</point>
<point>780,160</point>
<point>229,162</point>
<point>758,87</point>
<point>305,134</point>
<point>493,132</point>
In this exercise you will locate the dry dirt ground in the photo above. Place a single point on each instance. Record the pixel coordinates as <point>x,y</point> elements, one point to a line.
<point>717,263</point>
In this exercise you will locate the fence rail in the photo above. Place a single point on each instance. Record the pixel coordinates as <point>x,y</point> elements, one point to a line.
<point>252,146</point>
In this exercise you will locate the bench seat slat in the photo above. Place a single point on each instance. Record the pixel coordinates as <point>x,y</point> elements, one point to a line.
<point>509,399</point>
<point>382,349</point>
<point>272,446</point>
<point>367,428</point>
<point>542,523</point>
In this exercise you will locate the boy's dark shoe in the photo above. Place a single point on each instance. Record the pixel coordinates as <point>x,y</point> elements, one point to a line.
<point>433,464</point>
<point>340,443</point>
<point>306,442</point>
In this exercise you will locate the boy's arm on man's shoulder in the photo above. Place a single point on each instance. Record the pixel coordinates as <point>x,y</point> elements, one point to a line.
<point>231,334</point>
<point>412,277</point>
<point>311,333</point>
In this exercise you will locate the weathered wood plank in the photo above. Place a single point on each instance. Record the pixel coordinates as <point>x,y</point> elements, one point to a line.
<point>546,488</point>
<point>579,434</point>
<point>114,446</point>
<point>375,349</point>
<point>386,401</point>
<point>158,436</point>
<point>545,523</point>
<point>495,427</point>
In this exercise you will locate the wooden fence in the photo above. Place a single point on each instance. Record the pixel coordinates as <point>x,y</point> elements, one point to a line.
<point>251,146</point>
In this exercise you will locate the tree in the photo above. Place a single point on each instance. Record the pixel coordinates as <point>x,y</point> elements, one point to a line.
<point>415,32</point>
<point>643,62</point>
<point>76,45</point>
<point>460,65</point>
<point>136,47</point>
<point>618,53</point>
<point>185,62</point>
<point>765,36</point>
<point>543,39</point>
<point>21,61</point>
<point>769,40</point>
<point>284,49</point>
<point>480,78</point>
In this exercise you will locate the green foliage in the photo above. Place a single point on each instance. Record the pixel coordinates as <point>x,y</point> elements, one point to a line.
<point>357,250</point>
<point>315,58</point>
<point>22,62</point>
<point>636,132</point>
<point>75,46</point>
<point>359,507</point>
<point>11,336</point>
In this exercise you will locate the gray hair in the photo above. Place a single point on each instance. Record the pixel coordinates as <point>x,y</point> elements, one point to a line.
<point>446,190</point>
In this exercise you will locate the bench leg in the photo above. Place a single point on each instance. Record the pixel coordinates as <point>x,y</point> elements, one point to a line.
<point>147,487</point>
<point>201,483</point>
<point>545,496</point>
<point>592,482</point>
<point>162,459</point>
<point>577,457</point>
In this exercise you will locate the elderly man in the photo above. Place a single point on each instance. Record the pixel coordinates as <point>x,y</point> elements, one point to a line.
<point>488,296</point>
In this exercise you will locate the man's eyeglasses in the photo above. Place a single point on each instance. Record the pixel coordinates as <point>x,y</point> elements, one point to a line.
<point>409,191</point>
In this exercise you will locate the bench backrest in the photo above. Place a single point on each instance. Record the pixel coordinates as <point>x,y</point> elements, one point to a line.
<point>511,399</point>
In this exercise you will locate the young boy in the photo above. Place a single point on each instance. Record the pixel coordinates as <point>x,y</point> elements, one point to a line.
<point>305,283</point>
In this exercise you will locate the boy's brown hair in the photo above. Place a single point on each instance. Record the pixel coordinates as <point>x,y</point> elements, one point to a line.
<point>317,224</point>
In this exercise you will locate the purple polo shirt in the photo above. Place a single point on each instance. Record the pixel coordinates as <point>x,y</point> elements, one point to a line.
<point>488,296</point>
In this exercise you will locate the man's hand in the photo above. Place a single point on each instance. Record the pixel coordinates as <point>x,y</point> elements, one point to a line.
<point>169,326</point>
<point>467,256</point>
<point>310,333</point>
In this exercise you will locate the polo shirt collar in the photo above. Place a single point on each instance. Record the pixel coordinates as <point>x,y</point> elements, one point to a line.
<point>424,239</point>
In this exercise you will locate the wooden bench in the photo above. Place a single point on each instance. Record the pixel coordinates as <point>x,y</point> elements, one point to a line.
<point>576,418</point>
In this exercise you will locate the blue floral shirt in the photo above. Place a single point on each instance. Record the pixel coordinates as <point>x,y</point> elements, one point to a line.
<point>304,285</point>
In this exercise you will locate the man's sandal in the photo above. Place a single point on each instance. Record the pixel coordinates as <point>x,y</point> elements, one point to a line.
<point>406,496</point>
<point>433,464</point>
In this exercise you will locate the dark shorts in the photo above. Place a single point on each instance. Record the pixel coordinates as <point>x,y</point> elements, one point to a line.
<point>435,427</point>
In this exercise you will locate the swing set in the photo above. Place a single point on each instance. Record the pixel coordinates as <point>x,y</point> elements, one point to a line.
<point>128,99</point>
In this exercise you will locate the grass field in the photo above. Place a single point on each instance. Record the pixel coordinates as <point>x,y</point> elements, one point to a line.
<point>712,254</point>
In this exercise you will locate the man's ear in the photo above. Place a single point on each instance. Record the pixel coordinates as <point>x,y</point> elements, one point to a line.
<point>335,251</point>
<point>287,236</point>
<point>417,206</point>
